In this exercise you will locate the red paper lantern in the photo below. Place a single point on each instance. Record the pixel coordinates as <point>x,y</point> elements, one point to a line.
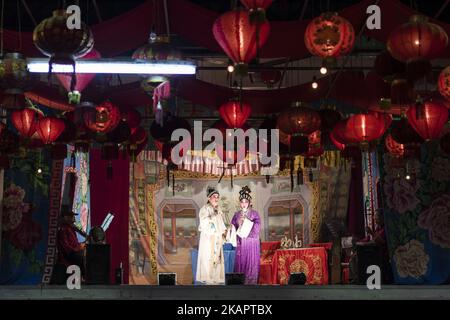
<point>299,120</point>
<point>329,36</point>
<point>104,118</point>
<point>384,118</point>
<point>428,118</point>
<point>82,79</point>
<point>394,148</point>
<point>342,135</point>
<point>63,45</point>
<point>338,144</point>
<point>238,37</point>
<point>314,139</point>
<point>365,127</point>
<point>25,121</point>
<point>234,113</point>
<point>416,43</point>
<point>49,129</point>
<point>444,83</point>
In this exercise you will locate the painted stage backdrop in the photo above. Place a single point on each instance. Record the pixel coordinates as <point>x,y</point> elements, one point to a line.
<point>25,219</point>
<point>417,216</point>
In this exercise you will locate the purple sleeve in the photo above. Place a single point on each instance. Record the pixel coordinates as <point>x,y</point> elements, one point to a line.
<point>235,221</point>
<point>256,225</point>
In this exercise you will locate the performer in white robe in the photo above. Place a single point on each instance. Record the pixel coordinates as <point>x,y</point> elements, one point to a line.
<point>210,263</point>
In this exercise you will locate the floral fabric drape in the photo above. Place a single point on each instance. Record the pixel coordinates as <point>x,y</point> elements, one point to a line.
<point>417,216</point>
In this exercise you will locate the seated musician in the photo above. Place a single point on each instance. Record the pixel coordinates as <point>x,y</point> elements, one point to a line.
<point>70,251</point>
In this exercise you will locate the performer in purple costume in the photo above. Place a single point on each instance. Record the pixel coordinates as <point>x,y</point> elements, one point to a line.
<point>248,249</point>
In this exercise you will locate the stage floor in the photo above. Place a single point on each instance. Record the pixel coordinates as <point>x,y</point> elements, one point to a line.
<point>125,292</point>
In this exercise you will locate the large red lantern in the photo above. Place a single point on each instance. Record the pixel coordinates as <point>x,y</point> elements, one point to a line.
<point>416,43</point>
<point>239,38</point>
<point>82,79</point>
<point>394,148</point>
<point>49,129</point>
<point>104,118</point>
<point>444,83</point>
<point>299,120</point>
<point>329,36</point>
<point>365,127</point>
<point>384,118</point>
<point>342,135</point>
<point>25,121</point>
<point>63,45</point>
<point>428,118</point>
<point>235,113</point>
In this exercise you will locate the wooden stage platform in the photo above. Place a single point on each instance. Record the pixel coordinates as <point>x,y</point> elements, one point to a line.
<point>126,292</point>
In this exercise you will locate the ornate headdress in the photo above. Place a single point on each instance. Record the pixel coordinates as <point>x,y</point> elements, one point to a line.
<point>210,191</point>
<point>245,194</point>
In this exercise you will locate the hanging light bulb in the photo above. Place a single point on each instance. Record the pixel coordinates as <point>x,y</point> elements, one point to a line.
<point>230,68</point>
<point>39,171</point>
<point>314,84</point>
<point>408,177</point>
<point>323,70</point>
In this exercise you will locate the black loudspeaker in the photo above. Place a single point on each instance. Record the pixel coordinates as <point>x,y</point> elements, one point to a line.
<point>234,278</point>
<point>297,278</point>
<point>98,261</point>
<point>167,279</point>
<point>367,255</point>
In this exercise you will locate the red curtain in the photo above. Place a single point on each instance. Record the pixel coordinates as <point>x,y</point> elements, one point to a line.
<point>111,196</point>
<point>194,23</point>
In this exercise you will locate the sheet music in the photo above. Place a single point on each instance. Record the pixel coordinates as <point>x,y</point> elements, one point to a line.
<point>107,221</point>
<point>245,228</point>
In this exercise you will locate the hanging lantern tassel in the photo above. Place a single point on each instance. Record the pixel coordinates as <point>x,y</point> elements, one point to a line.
<point>74,97</point>
<point>168,176</point>
<point>109,170</point>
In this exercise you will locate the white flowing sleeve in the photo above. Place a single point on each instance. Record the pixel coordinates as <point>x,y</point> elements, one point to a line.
<point>204,220</point>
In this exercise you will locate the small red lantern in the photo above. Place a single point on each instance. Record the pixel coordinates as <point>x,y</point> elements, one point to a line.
<point>428,118</point>
<point>49,129</point>
<point>365,127</point>
<point>235,113</point>
<point>444,83</point>
<point>394,148</point>
<point>314,139</point>
<point>416,43</point>
<point>329,36</point>
<point>25,121</point>
<point>104,118</point>
<point>239,38</point>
